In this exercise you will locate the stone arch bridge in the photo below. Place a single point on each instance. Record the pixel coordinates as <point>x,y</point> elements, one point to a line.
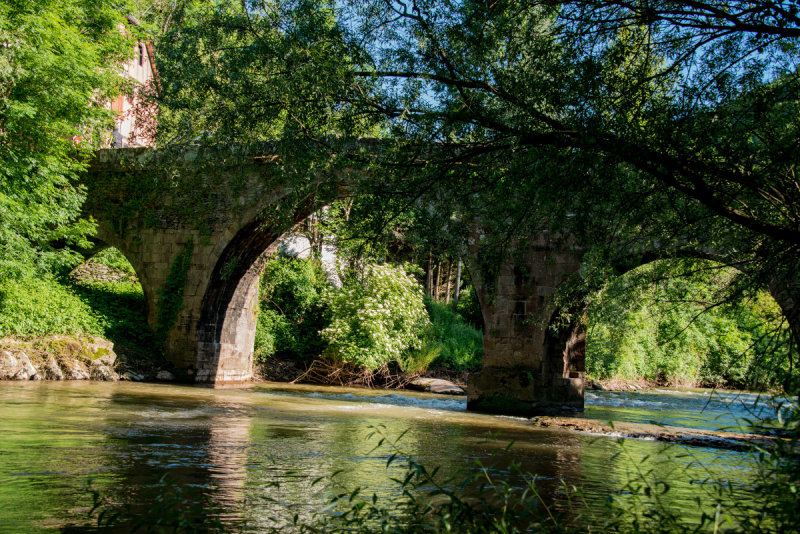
<point>198,223</point>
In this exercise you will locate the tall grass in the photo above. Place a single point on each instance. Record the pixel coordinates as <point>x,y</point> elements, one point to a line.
<point>459,345</point>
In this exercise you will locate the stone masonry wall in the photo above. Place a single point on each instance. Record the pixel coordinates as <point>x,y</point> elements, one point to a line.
<point>194,223</point>
<point>527,368</point>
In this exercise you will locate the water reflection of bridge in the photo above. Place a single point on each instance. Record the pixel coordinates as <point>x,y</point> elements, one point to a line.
<point>257,457</point>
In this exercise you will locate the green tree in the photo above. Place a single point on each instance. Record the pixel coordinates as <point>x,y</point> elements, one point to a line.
<point>673,322</point>
<point>59,62</point>
<point>256,70</point>
<point>291,312</point>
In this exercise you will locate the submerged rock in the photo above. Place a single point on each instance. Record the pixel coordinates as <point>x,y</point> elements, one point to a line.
<point>165,376</point>
<point>131,376</point>
<point>435,385</point>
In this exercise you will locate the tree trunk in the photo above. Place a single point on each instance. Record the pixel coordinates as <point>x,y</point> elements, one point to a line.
<point>458,284</point>
<point>438,296</point>
<point>449,282</point>
<point>429,276</point>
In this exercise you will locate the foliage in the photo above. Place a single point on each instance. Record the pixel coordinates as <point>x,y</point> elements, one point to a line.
<point>779,475</point>
<point>296,320</point>
<point>417,361</point>
<point>38,306</point>
<point>376,317</point>
<point>469,307</point>
<point>113,259</point>
<point>59,62</point>
<point>668,322</point>
<point>283,55</point>
<point>41,306</point>
<point>457,345</point>
<point>291,309</point>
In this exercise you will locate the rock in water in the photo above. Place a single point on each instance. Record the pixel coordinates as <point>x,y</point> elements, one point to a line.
<point>436,385</point>
<point>9,366</point>
<point>51,369</point>
<point>75,371</point>
<point>30,370</point>
<point>102,372</point>
<point>165,376</point>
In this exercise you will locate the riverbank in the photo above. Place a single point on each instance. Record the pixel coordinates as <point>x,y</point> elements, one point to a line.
<point>435,380</point>
<point>60,357</point>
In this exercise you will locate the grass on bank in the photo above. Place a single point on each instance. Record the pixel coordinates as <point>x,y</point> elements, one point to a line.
<point>458,344</point>
<point>48,305</point>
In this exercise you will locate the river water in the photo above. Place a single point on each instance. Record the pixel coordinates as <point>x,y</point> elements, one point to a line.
<point>255,453</point>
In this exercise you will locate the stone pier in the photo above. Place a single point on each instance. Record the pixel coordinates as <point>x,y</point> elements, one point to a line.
<point>532,364</point>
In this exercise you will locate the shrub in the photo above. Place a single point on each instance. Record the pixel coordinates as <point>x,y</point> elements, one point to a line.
<point>376,318</point>
<point>113,258</point>
<point>418,361</point>
<point>46,305</point>
<point>671,328</point>
<point>36,306</point>
<point>291,309</point>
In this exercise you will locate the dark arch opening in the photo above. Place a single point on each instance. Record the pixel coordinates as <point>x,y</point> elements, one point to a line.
<point>686,335</point>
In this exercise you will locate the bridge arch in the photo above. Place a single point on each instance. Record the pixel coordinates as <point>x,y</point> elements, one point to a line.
<point>226,325</point>
<point>650,268</point>
<point>198,225</point>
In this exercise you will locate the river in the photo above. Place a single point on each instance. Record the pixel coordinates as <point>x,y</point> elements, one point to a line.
<point>255,452</point>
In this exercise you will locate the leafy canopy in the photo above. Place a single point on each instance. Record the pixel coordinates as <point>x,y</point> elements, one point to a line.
<point>59,62</point>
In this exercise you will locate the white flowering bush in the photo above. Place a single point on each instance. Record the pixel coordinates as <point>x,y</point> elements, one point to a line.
<point>376,319</point>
